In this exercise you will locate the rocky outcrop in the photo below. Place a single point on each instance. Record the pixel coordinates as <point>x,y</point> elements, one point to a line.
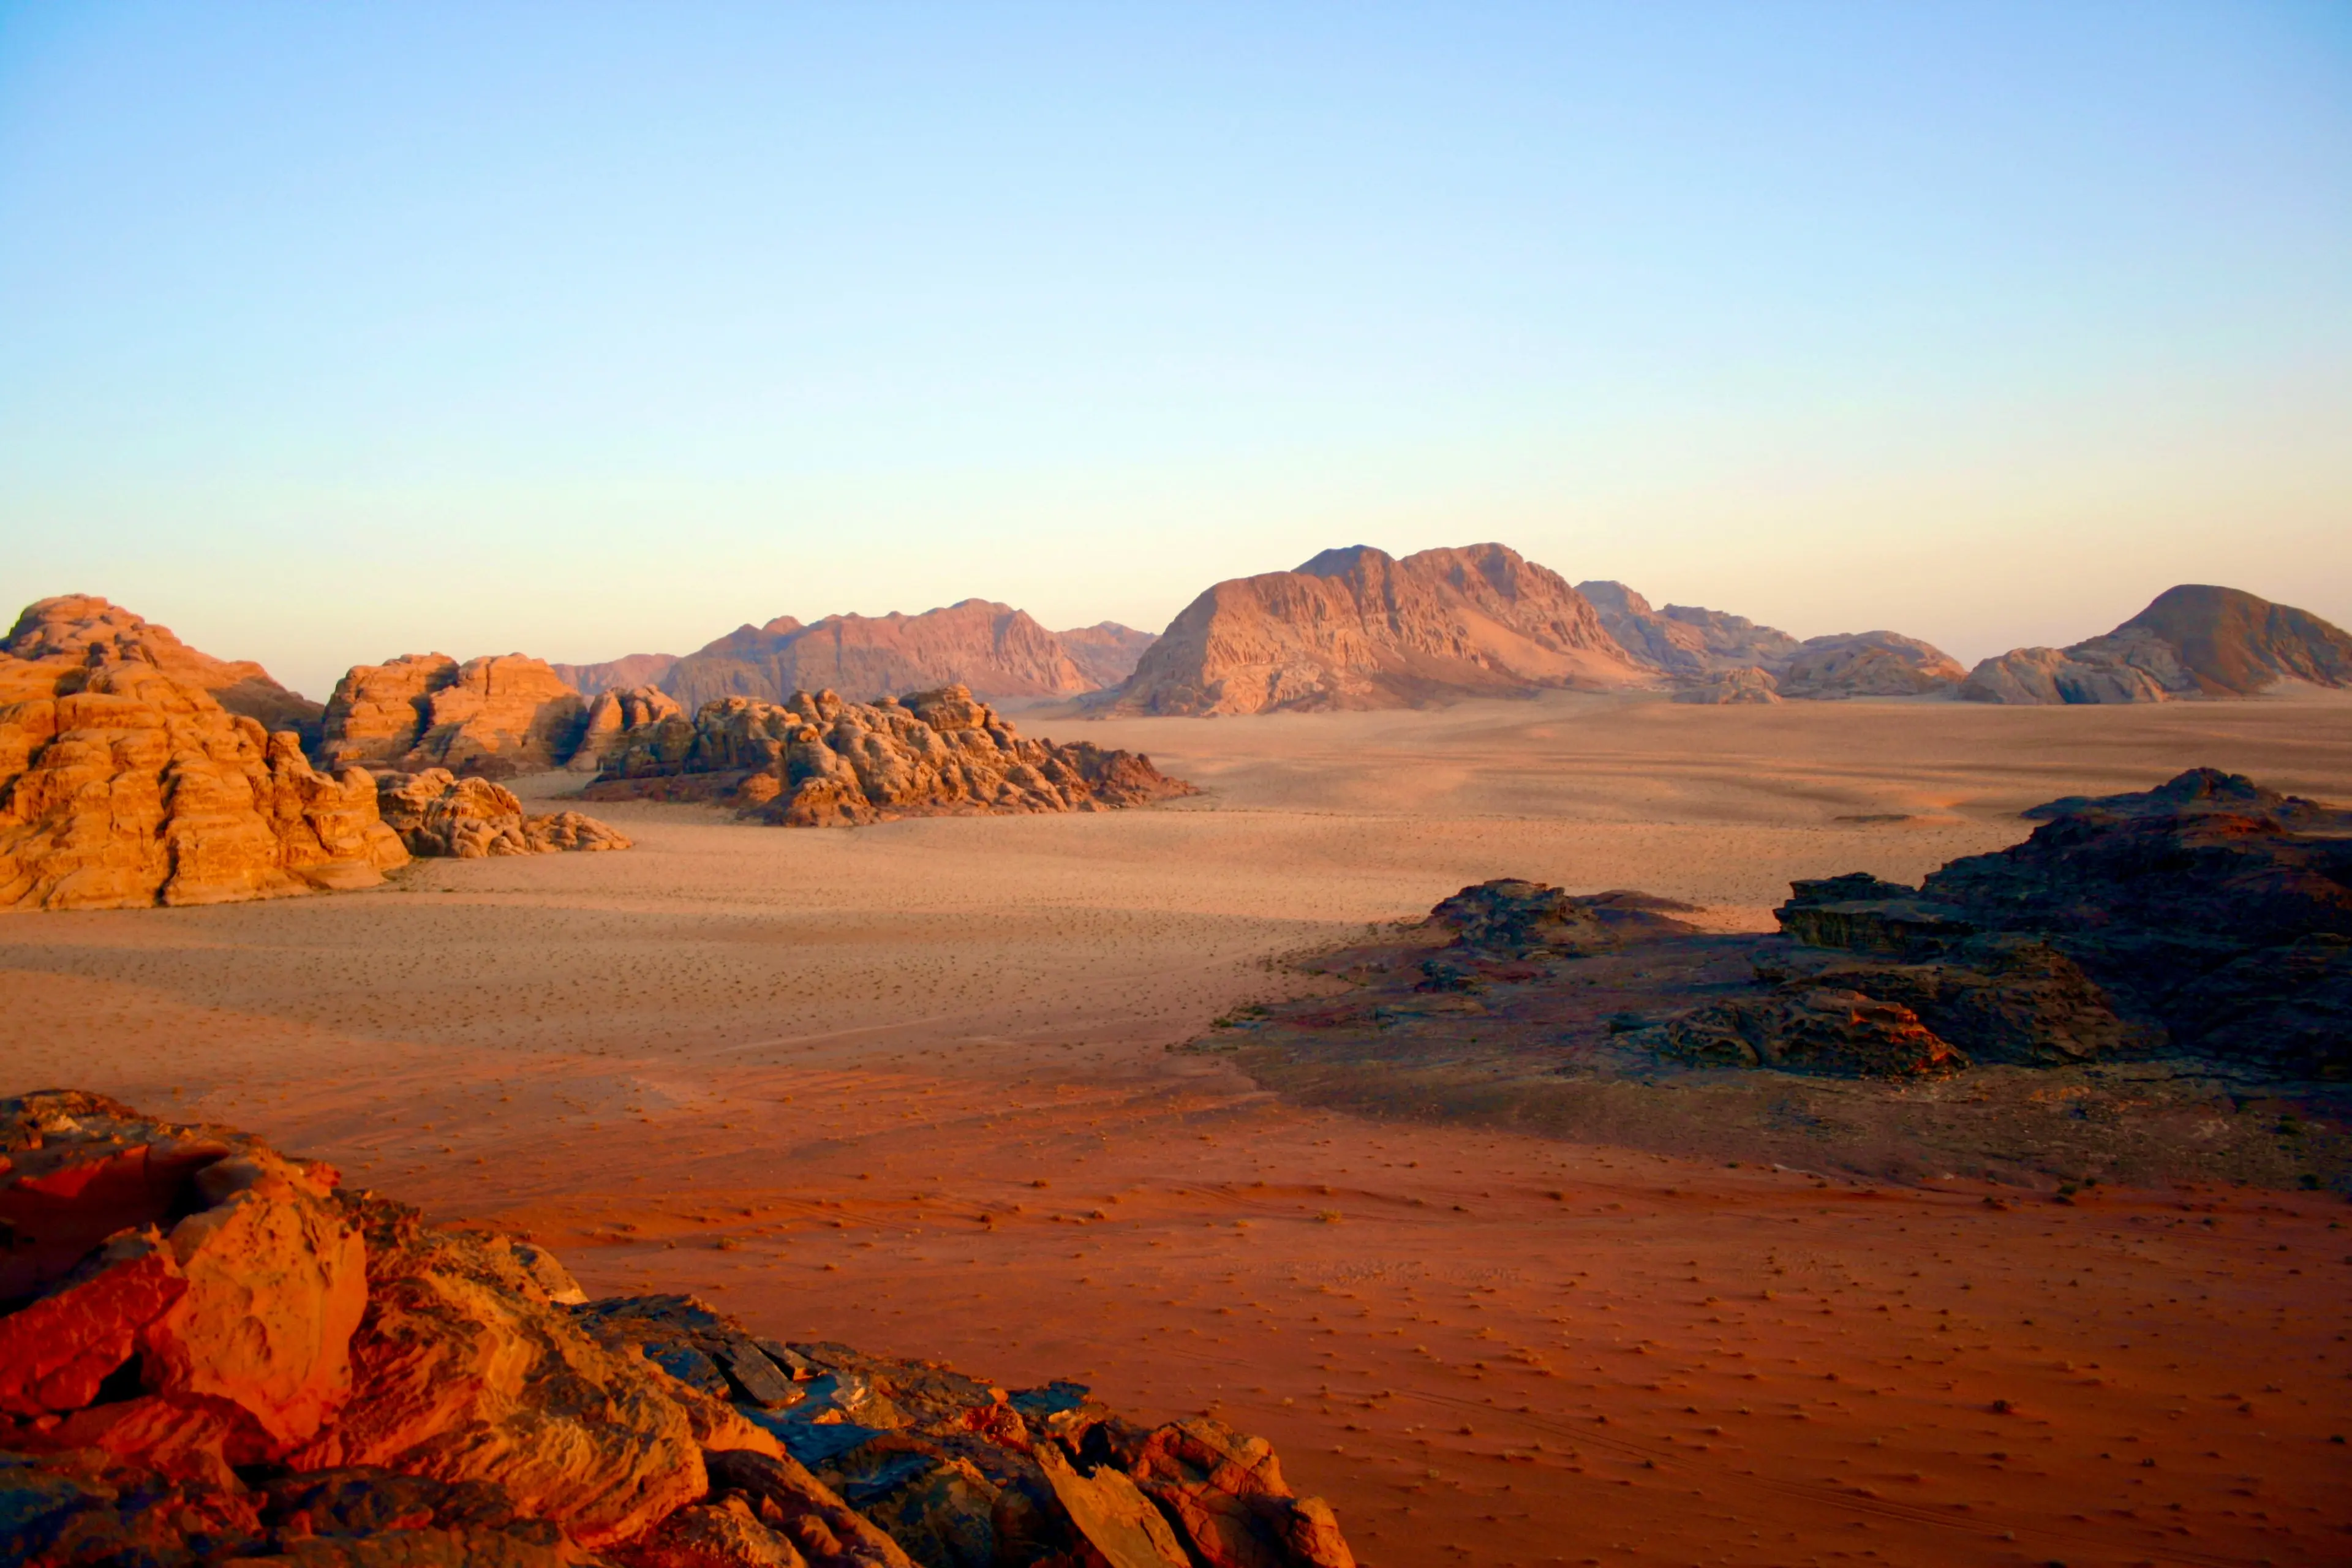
<point>1520,920</point>
<point>84,629</point>
<point>1868,664</point>
<point>1106,653</point>
<point>1360,629</point>
<point>1718,657</point>
<point>1811,1028</point>
<point>493,716</point>
<point>818,761</point>
<point>212,1353</point>
<point>2207,915</point>
<point>615,674</point>
<point>2191,641</point>
<point>611,716</point>
<point>1746,684</point>
<point>439,815</point>
<point>124,785</point>
<point>993,649</point>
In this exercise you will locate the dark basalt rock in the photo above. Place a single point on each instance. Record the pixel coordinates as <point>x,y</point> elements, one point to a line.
<point>2209,914</point>
<point>1513,919</point>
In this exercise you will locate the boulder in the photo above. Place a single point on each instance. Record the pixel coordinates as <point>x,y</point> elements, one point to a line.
<point>123,785</point>
<point>2194,640</point>
<point>439,815</point>
<point>1809,1029</point>
<point>209,1353</point>
<point>1358,627</point>
<point>494,716</point>
<point>821,761</point>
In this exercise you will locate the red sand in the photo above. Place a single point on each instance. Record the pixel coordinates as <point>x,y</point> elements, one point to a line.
<point>907,1088</point>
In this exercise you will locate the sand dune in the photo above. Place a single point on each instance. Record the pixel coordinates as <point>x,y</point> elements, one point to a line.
<point>914,1078</point>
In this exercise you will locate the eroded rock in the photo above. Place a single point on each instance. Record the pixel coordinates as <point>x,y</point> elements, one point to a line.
<point>821,761</point>
<point>439,815</point>
<point>209,1353</point>
<point>496,716</point>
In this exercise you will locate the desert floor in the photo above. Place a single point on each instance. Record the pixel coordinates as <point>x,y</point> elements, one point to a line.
<point>909,1087</point>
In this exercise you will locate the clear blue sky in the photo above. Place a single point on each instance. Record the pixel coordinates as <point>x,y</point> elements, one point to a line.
<point>333,332</point>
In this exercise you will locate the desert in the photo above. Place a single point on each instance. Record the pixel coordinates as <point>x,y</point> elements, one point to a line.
<point>949,1087</point>
<point>1176,786</point>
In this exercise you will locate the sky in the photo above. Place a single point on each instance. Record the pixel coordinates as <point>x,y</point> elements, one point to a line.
<point>329,333</point>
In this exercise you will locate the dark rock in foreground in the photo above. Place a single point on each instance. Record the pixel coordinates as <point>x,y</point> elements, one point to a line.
<point>211,1354</point>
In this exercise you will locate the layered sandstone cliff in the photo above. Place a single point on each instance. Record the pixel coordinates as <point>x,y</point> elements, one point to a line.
<point>125,783</point>
<point>994,649</point>
<point>819,761</point>
<point>1702,650</point>
<point>2192,641</point>
<point>1360,629</point>
<point>84,627</point>
<point>210,1352</point>
<point>496,715</point>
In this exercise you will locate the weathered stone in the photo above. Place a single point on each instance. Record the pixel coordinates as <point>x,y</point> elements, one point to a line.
<point>1732,688</point>
<point>124,785</point>
<point>439,815</point>
<point>83,629</point>
<point>1809,1029</point>
<point>426,710</point>
<point>820,762</point>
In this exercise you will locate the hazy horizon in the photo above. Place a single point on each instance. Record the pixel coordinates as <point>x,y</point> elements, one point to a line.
<point>587,331</point>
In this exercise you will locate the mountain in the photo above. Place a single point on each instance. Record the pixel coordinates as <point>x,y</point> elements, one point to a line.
<point>1697,647</point>
<point>994,649</point>
<point>2194,640</point>
<point>1684,640</point>
<point>85,627</point>
<point>1106,653</point>
<point>1360,629</point>
<point>615,674</point>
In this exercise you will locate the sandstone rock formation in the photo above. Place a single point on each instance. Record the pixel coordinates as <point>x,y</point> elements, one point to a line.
<point>2207,921</point>
<point>1746,684</point>
<point>1711,655</point>
<point>818,761</point>
<point>2191,641</point>
<point>1106,653</point>
<point>437,813</point>
<point>495,716</point>
<point>124,784</point>
<point>994,649</point>
<point>613,715</point>
<point>1360,629</point>
<point>615,674</point>
<point>212,1353</point>
<point>84,627</point>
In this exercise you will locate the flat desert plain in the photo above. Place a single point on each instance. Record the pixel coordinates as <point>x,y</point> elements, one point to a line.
<point>911,1087</point>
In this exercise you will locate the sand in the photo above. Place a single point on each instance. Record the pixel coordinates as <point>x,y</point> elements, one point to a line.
<point>911,1087</point>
